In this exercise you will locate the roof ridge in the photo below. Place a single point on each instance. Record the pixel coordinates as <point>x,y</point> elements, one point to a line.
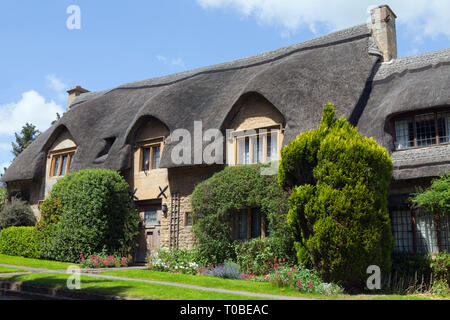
<point>405,64</point>
<point>333,38</point>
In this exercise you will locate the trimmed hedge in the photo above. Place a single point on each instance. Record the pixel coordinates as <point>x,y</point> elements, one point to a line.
<point>20,241</point>
<point>216,200</point>
<point>338,205</point>
<point>91,211</point>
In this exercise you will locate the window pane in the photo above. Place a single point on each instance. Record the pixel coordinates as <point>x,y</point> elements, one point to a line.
<point>70,161</point>
<point>444,228</point>
<point>150,216</point>
<point>156,157</point>
<point>63,166</point>
<point>257,148</point>
<point>243,150</point>
<point>145,159</point>
<point>272,147</point>
<point>426,232</point>
<point>444,127</point>
<point>242,221</point>
<point>402,230</point>
<point>426,130</point>
<point>188,219</point>
<point>404,133</point>
<point>56,166</point>
<point>256,223</point>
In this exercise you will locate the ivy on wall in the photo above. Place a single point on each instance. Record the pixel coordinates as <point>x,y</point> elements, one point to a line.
<point>216,200</point>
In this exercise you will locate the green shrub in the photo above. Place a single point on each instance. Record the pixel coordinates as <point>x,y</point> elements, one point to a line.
<point>338,205</point>
<point>16,213</point>
<point>441,288</point>
<point>216,200</point>
<point>50,213</point>
<point>20,241</point>
<point>254,256</point>
<point>437,197</point>
<point>440,265</point>
<point>96,214</point>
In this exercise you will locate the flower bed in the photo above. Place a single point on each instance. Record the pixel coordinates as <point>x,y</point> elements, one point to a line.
<point>178,261</point>
<point>104,261</point>
<point>285,274</point>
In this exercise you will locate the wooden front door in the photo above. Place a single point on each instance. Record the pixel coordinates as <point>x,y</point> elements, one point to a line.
<point>150,230</point>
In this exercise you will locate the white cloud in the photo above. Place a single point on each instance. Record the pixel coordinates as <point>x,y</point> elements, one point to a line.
<point>426,18</point>
<point>31,108</point>
<point>162,59</point>
<point>56,84</point>
<point>176,62</point>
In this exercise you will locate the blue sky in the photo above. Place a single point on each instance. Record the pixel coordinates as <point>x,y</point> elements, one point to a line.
<point>124,41</point>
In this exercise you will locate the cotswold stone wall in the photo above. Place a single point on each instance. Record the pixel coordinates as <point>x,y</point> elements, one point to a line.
<point>182,182</point>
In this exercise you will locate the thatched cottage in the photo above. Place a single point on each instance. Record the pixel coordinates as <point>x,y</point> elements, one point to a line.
<point>403,103</point>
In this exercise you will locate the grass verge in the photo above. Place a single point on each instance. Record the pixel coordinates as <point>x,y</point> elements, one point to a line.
<point>33,263</point>
<point>125,288</point>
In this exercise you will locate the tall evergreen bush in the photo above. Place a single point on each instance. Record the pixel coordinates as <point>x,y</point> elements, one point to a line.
<point>338,213</point>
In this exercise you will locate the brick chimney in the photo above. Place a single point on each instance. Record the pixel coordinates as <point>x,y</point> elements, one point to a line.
<point>73,93</point>
<point>382,23</point>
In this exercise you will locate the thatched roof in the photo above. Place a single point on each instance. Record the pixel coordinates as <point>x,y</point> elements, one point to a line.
<point>409,84</point>
<point>298,80</point>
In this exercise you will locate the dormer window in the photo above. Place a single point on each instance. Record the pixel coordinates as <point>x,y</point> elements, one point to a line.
<point>60,163</point>
<point>422,129</point>
<point>257,146</point>
<point>151,156</point>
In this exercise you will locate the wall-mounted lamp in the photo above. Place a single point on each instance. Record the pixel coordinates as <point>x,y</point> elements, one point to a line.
<point>164,209</point>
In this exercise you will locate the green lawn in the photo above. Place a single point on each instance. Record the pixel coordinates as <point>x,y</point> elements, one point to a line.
<point>157,291</point>
<point>209,282</point>
<point>33,263</point>
<point>250,286</point>
<point>126,288</point>
<point>10,270</point>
